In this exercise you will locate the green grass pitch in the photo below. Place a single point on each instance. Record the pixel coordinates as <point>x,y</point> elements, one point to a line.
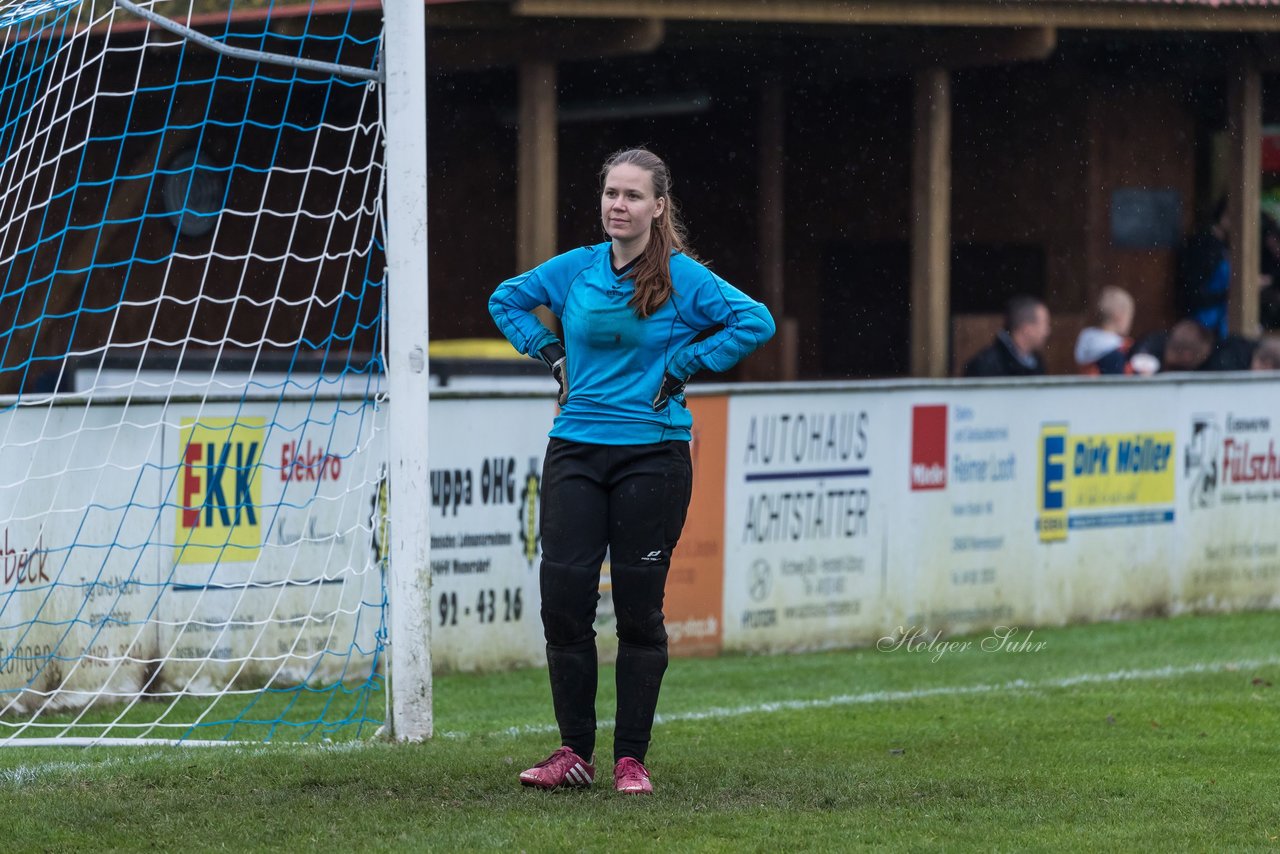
<point>1153,735</point>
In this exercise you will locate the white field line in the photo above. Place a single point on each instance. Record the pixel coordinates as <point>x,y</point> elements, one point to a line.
<point>1016,686</point>
<point>23,775</point>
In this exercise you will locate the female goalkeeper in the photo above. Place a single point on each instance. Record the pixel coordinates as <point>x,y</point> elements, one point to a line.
<point>617,474</point>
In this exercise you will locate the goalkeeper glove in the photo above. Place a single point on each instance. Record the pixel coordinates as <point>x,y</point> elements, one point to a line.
<point>553,355</point>
<point>671,387</point>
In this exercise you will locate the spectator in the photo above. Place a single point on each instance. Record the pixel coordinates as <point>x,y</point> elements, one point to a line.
<point>1189,346</point>
<point>1015,352</point>
<point>1269,265</point>
<point>1267,356</point>
<point>1104,349</point>
<point>1204,273</point>
<point>1269,310</point>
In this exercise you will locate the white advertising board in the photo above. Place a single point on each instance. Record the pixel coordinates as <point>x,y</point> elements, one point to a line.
<point>271,568</point>
<point>997,505</point>
<point>1228,460</point>
<point>1104,498</point>
<point>486,470</point>
<point>81,559</point>
<point>805,518</point>
<point>961,534</point>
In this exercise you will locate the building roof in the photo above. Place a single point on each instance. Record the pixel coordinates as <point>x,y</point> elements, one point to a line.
<point>1185,15</point>
<point>1210,3</point>
<point>1159,14</point>
<point>1171,2</point>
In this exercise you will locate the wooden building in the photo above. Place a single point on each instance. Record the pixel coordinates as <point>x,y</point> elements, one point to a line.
<point>883,174</point>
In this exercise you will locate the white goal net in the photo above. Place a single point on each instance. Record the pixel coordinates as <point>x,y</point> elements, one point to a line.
<point>193,419</point>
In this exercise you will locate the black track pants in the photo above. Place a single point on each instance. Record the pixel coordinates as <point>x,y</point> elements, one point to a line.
<point>631,499</point>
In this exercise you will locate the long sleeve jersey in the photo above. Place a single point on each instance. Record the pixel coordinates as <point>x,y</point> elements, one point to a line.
<point>615,361</point>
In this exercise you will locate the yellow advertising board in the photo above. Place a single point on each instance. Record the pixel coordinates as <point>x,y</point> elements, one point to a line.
<point>220,490</point>
<point>1101,480</point>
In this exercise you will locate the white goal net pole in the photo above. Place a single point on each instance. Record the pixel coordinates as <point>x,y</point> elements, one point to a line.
<point>408,476</point>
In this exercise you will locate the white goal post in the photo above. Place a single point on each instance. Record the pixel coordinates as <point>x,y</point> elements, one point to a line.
<point>407,368</point>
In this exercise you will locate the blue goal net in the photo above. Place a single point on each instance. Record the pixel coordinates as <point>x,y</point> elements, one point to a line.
<point>192,443</point>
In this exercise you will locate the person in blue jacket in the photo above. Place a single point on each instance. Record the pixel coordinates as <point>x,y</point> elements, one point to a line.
<point>617,473</point>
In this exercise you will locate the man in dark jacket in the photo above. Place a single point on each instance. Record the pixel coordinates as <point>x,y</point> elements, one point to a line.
<point>1190,346</point>
<point>1016,350</point>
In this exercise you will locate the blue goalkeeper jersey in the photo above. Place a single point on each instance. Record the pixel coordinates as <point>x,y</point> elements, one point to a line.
<point>615,361</point>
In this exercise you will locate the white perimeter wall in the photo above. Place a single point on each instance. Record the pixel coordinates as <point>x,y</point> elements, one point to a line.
<point>851,512</point>
<point>848,512</point>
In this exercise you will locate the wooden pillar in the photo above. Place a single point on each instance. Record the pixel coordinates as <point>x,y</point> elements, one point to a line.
<point>1245,196</point>
<point>536,164</point>
<point>771,217</point>
<point>931,224</point>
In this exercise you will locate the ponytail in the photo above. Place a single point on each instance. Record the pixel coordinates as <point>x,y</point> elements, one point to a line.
<point>652,270</point>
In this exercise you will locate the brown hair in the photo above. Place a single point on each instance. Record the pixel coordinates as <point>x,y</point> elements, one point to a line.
<point>652,271</point>
<point>1021,311</point>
